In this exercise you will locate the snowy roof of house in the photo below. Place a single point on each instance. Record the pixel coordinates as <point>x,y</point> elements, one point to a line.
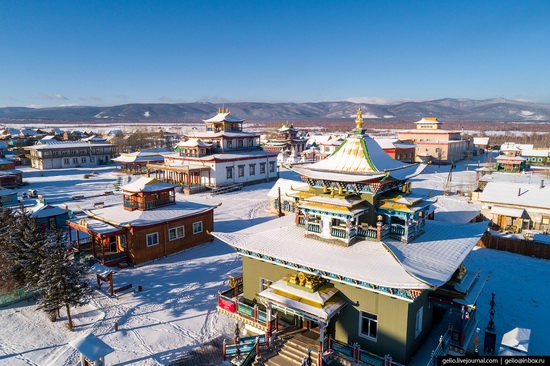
<point>10,172</point>
<point>332,141</point>
<point>117,215</point>
<point>223,117</point>
<point>359,159</point>
<point>193,142</point>
<point>96,226</point>
<point>142,156</point>
<point>368,261</point>
<point>523,178</point>
<point>47,138</point>
<point>213,134</point>
<point>510,158</point>
<point>507,211</point>
<point>455,209</point>
<point>434,256</point>
<point>543,153</point>
<point>287,186</point>
<point>146,184</point>
<point>481,140</point>
<point>507,194</point>
<point>287,127</point>
<point>225,156</point>
<point>42,210</point>
<point>428,120</point>
<point>517,339</point>
<point>91,347</point>
<point>54,144</point>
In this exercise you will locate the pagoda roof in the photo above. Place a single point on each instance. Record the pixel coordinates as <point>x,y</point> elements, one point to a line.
<point>193,142</point>
<point>146,184</point>
<point>359,159</point>
<point>429,260</point>
<point>223,117</point>
<point>287,127</point>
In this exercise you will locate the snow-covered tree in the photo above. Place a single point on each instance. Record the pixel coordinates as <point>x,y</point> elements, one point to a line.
<point>7,265</point>
<point>60,279</point>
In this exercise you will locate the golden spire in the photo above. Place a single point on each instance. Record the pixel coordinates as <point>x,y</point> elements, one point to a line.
<point>359,119</point>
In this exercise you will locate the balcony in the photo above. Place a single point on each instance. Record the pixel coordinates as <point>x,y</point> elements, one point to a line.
<point>339,232</point>
<point>314,227</point>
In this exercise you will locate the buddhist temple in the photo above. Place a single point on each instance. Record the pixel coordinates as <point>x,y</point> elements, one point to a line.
<point>357,259</point>
<point>221,155</point>
<point>287,144</point>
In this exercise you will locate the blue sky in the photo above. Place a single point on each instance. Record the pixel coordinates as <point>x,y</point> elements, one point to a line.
<point>116,52</point>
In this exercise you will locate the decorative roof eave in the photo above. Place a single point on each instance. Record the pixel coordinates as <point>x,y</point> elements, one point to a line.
<point>408,295</point>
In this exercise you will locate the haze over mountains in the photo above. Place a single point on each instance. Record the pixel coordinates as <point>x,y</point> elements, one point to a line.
<point>447,109</point>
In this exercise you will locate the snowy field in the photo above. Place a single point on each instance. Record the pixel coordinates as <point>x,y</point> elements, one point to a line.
<point>175,312</point>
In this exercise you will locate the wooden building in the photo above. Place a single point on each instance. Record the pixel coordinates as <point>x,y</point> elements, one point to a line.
<point>358,260</point>
<point>9,176</point>
<point>149,224</point>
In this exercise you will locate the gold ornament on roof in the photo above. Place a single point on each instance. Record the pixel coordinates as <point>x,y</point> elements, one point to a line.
<point>359,119</point>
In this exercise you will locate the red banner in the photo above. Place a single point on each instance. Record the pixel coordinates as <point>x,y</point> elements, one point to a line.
<point>227,305</point>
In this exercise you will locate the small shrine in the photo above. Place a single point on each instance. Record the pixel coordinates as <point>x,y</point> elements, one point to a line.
<point>92,350</point>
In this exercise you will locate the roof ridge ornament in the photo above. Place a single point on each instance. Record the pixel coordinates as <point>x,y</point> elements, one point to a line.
<point>359,121</point>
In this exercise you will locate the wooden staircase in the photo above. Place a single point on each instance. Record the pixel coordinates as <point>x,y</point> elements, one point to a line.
<point>290,349</point>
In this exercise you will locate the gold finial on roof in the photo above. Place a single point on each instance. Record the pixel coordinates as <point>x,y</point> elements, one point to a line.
<point>359,119</point>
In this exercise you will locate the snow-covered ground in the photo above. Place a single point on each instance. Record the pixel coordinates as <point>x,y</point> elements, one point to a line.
<point>175,312</point>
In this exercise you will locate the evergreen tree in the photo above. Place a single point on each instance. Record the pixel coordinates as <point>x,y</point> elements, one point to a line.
<point>60,278</point>
<point>26,246</point>
<point>7,264</point>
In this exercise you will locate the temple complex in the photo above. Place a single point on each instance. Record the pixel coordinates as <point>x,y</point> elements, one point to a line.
<point>287,144</point>
<point>222,155</point>
<point>357,259</point>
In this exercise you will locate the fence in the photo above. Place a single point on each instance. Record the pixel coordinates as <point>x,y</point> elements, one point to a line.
<point>518,246</point>
<point>15,296</point>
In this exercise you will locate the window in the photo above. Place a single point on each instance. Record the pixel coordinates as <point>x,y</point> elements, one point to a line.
<point>176,233</point>
<point>197,227</point>
<point>418,326</point>
<point>152,239</point>
<point>241,171</point>
<point>229,143</point>
<point>262,168</point>
<point>368,325</point>
<point>75,160</point>
<point>229,172</point>
<point>66,161</point>
<point>92,159</point>
<point>271,166</point>
<point>240,143</point>
<point>83,160</point>
<point>252,169</point>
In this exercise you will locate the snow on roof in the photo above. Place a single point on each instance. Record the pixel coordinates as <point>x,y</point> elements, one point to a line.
<point>252,154</point>
<point>481,141</point>
<point>286,186</point>
<point>455,209</point>
<point>193,142</point>
<point>367,261</point>
<point>541,238</point>
<point>513,194</point>
<point>386,143</point>
<point>154,155</point>
<point>96,226</point>
<point>510,158</point>
<point>65,145</point>
<point>91,347</point>
<point>543,153</point>
<point>356,158</point>
<point>223,117</point>
<point>324,313</point>
<point>517,339</point>
<point>429,120</point>
<point>212,134</point>
<point>434,256</point>
<point>319,297</point>
<point>146,184</point>
<point>10,172</point>
<point>507,211</point>
<point>117,215</point>
<point>523,178</point>
<point>42,210</point>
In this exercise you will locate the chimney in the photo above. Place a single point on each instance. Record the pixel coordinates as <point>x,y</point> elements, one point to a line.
<point>542,183</point>
<point>519,191</point>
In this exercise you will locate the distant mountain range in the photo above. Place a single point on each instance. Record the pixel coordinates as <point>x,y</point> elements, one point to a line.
<point>447,109</point>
